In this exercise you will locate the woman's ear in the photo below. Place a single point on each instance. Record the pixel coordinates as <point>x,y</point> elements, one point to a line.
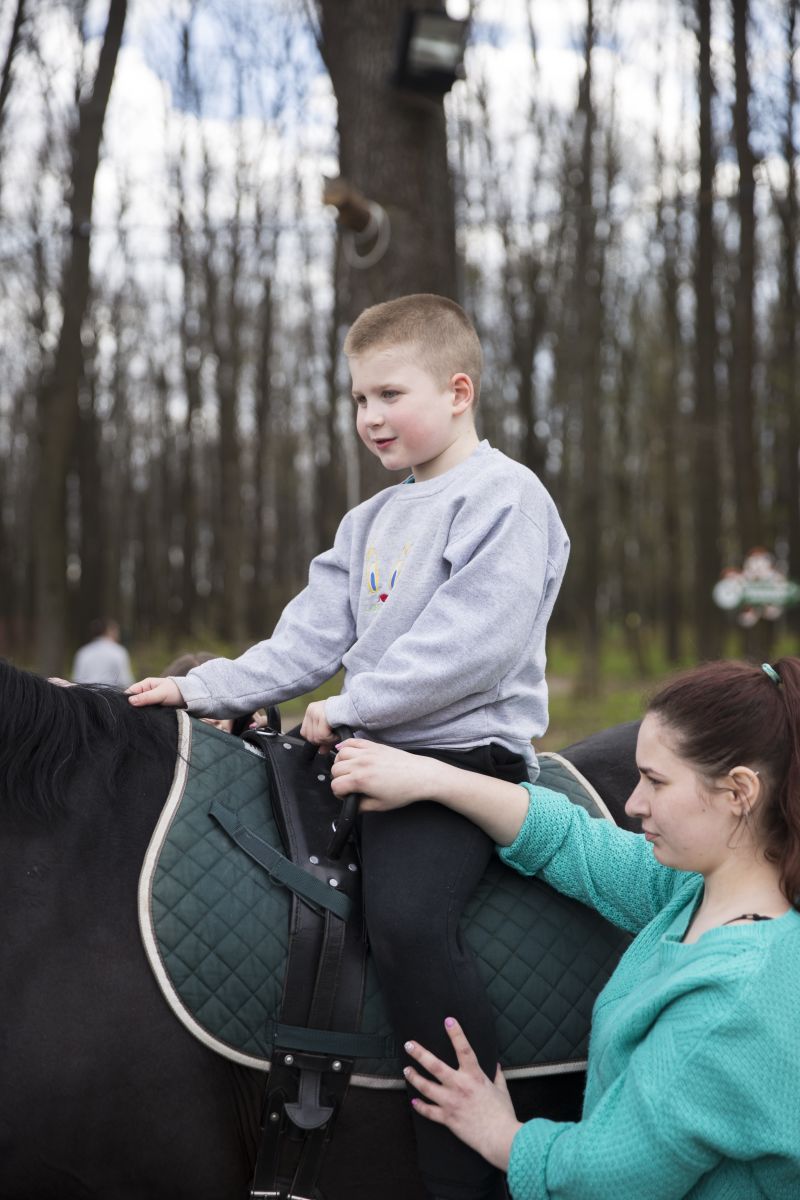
<point>745,788</point>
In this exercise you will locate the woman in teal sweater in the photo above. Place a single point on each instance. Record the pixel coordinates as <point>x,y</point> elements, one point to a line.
<point>693,1086</point>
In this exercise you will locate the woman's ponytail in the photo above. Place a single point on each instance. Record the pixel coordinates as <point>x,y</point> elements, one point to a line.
<point>782,817</point>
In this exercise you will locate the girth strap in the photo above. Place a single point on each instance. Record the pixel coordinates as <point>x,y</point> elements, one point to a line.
<point>330,1041</point>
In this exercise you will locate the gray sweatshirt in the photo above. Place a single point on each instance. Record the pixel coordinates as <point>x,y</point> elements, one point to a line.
<point>435,598</point>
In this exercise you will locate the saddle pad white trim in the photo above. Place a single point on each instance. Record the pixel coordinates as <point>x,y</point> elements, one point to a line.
<point>582,780</point>
<point>146,923</point>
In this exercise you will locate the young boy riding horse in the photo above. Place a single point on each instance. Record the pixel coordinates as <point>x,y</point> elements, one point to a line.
<point>435,598</point>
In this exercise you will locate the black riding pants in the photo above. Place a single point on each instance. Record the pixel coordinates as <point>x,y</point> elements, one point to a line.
<point>420,867</point>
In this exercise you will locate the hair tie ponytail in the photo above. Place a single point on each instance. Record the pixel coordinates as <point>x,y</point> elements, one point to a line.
<point>771,673</point>
<point>788,797</point>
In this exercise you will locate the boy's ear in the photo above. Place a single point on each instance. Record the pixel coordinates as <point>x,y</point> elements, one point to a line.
<point>463,392</point>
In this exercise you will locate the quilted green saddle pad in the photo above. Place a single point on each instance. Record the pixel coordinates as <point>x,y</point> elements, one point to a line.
<point>216,928</point>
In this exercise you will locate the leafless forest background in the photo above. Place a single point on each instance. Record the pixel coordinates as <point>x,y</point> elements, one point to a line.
<point>175,428</point>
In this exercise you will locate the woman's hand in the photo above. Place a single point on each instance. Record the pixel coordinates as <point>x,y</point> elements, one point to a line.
<point>387,778</point>
<point>465,1099</point>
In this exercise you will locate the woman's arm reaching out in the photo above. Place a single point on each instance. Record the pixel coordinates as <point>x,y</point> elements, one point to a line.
<point>388,778</point>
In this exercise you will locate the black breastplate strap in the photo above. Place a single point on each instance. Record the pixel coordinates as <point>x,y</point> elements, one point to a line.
<point>316,1039</point>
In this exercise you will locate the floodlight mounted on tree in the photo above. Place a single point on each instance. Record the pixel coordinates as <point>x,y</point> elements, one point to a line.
<point>431,51</point>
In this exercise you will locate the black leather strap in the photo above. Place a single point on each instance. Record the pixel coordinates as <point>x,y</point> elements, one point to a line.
<point>278,866</point>
<point>332,1042</point>
<point>316,1039</point>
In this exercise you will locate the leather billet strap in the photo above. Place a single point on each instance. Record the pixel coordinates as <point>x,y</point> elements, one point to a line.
<point>316,1039</point>
<point>323,983</point>
<point>278,866</point>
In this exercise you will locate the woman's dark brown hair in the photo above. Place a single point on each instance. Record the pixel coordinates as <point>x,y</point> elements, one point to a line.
<point>729,714</point>
<point>184,663</point>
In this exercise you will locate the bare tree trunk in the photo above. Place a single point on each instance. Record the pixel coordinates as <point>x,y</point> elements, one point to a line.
<point>667,391</point>
<point>58,397</point>
<point>121,499</point>
<point>229,382</point>
<point>159,498</point>
<point>524,297</point>
<point>224,333</point>
<point>91,599</point>
<point>191,356</point>
<point>671,527</point>
<point>628,517</point>
<point>17,26</point>
<point>746,457</point>
<point>586,379</point>
<point>788,313</point>
<point>185,616</point>
<point>264,531</point>
<point>706,472</point>
<point>19,480</point>
<point>393,148</point>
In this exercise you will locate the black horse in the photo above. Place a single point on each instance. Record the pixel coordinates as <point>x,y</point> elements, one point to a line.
<point>103,1093</point>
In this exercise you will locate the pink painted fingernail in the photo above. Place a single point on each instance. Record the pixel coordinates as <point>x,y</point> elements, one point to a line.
<point>409,1046</point>
<point>414,1103</point>
<point>449,1022</point>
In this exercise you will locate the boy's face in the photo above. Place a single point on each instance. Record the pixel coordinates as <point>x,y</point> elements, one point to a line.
<point>405,417</point>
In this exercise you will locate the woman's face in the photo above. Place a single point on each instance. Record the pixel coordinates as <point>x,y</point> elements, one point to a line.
<point>688,822</point>
<point>223,723</point>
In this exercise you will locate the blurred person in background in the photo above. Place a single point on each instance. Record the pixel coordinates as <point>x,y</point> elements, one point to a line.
<point>103,659</point>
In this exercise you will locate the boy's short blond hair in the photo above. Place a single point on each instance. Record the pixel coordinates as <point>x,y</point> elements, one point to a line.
<point>439,330</point>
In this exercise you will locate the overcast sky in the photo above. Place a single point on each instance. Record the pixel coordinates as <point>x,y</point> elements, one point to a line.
<point>638,41</point>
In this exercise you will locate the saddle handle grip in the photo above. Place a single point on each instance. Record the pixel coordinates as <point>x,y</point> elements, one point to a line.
<point>343,825</point>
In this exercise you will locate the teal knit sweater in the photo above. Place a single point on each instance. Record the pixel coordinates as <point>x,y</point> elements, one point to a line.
<point>693,1085</point>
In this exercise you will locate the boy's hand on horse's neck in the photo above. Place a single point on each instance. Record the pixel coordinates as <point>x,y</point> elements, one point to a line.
<point>155,691</point>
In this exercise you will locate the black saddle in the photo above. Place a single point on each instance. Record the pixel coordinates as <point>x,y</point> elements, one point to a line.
<point>315,1041</point>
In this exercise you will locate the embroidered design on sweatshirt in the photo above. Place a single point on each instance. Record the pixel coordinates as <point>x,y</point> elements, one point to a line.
<point>379,586</point>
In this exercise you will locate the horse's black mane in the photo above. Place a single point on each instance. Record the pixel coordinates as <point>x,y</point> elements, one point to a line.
<point>45,730</point>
